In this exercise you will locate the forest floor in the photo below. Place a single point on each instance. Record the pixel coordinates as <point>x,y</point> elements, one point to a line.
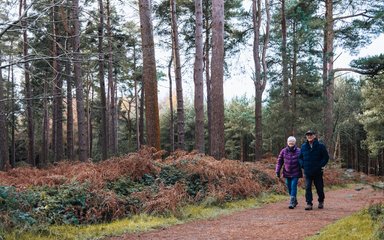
<point>272,221</point>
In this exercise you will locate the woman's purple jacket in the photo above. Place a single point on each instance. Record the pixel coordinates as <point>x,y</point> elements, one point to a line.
<point>289,158</point>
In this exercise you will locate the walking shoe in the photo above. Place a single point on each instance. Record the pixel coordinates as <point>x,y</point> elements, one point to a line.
<point>321,205</point>
<point>292,203</point>
<point>295,203</point>
<point>308,207</point>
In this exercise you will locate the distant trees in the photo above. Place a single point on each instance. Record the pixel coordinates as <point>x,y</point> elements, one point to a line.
<point>52,53</point>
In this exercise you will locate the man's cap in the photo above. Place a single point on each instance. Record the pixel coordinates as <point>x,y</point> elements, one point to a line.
<point>310,132</point>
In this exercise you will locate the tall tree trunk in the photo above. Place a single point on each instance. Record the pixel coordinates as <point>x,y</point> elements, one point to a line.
<point>111,86</point>
<point>137,102</point>
<point>57,119</point>
<point>103,101</point>
<point>141,120</point>
<point>217,73</point>
<point>70,145</point>
<point>260,78</point>
<point>171,121</point>
<point>328,75</point>
<point>45,135</point>
<point>179,85</point>
<point>198,78</point>
<point>81,120</point>
<point>294,82</point>
<point>28,90</point>
<point>285,105</point>
<point>207,73</point>
<point>149,75</point>
<point>13,116</point>
<point>4,152</point>
<point>89,114</point>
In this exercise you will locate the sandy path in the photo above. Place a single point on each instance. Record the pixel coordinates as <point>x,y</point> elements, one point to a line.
<point>273,221</point>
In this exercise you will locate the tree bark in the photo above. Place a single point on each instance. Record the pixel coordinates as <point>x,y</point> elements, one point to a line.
<point>171,121</point>
<point>294,82</point>
<point>198,79</point>
<point>217,72</point>
<point>179,85</point>
<point>45,134</point>
<point>4,152</point>
<point>328,75</point>
<point>285,105</point>
<point>57,118</point>
<point>82,122</point>
<point>207,46</point>
<point>260,78</point>
<point>70,145</point>
<point>149,75</point>
<point>28,89</point>
<point>103,101</point>
<point>113,142</point>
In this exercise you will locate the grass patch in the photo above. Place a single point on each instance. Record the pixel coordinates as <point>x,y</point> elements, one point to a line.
<point>143,222</point>
<point>357,226</point>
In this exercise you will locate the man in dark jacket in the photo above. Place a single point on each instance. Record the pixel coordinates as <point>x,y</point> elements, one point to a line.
<point>313,157</point>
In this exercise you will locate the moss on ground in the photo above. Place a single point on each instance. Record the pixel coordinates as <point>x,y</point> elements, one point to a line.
<point>355,227</point>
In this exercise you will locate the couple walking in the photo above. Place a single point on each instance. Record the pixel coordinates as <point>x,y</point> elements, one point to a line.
<point>312,157</point>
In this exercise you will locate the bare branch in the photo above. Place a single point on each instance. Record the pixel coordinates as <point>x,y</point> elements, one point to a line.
<point>15,22</point>
<point>353,15</point>
<point>352,70</point>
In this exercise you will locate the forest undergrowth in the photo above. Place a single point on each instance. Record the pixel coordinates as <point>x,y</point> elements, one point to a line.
<point>146,182</point>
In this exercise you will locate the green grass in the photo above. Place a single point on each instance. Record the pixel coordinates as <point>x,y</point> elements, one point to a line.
<point>143,222</point>
<point>358,226</point>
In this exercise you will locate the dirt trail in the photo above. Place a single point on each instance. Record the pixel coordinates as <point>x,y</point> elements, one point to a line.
<point>272,221</point>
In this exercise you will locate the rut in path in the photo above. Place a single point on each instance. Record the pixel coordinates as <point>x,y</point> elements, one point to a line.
<point>272,221</point>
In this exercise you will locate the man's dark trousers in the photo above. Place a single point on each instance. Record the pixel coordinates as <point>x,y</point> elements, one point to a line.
<point>319,185</point>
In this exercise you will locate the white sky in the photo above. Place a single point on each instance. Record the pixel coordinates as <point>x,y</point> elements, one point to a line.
<point>241,84</point>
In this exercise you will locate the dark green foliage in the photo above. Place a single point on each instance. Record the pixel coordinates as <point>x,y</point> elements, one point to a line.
<point>196,185</point>
<point>376,211</point>
<point>370,65</point>
<point>171,174</point>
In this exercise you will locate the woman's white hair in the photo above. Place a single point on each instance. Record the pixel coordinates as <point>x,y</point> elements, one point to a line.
<point>291,139</point>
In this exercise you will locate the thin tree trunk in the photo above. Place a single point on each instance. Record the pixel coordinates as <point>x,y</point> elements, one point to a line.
<point>207,74</point>
<point>179,86</point>
<point>137,113</point>
<point>57,119</point>
<point>149,75</point>
<point>82,122</point>
<point>28,90</point>
<point>141,121</point>
<point>217,72</point>
<point>4,152</point>
<point>103,101</point>
<point>171,121</point>
<point>294,82</point>
<point>70,145</point>
<point>285,105</point>
<point>260,79</point>
<point>111,86</point>
<point>89,100</point>
<point>198,79</point>
<point>45,135</point>
<point>13,115</point>
<point>68,74</point>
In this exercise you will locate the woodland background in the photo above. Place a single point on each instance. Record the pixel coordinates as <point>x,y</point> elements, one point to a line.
<point>79,79</point>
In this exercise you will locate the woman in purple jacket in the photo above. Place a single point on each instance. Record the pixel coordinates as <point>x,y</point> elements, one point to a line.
<point>289,160</point>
